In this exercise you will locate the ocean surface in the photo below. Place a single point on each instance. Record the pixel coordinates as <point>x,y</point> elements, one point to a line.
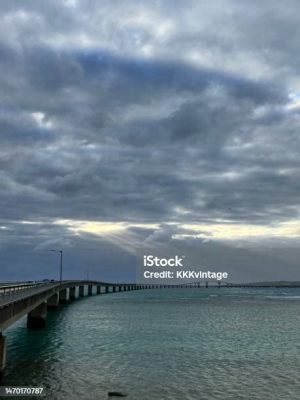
<point>194,344</point>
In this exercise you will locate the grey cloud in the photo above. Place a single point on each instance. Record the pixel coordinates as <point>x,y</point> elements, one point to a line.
<point>130,137</point>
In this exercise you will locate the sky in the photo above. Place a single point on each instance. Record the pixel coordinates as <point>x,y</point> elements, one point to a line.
<point>137,123</point>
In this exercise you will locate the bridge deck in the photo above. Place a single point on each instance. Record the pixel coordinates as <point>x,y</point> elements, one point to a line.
<point>19,299</point>
<point>17,293</point>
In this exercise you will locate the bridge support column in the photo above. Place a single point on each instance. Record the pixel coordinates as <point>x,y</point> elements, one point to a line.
<point>72,293</point>
<point>2,354</point>
<point>90,290</point>
<point>63,296</point>
<point>53,302</point>
<point>98,289</point>
<point>81,291</point>
<point>36,319</point>
<point>106,289</point>
<point>114,289</point>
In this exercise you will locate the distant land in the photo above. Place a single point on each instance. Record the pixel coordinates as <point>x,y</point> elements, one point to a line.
<point>268,283</point>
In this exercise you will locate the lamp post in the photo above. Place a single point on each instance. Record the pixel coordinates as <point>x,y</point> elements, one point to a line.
<point>61,263</point>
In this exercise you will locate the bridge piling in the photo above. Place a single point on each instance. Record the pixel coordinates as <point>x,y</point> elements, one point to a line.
<point>98,289</point>
<point>63,296</point>
<point>53,302</point>
<point>72,293</point>
<point>2,354</point>
<point>90,290</point>
<point>106,289</point>
<point>81,290</point>
<point>36,319</point>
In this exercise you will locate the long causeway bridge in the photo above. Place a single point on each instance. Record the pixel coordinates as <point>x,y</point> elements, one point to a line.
<point>35,298</point>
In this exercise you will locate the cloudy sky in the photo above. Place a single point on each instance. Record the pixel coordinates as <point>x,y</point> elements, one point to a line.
<point>125,123</point>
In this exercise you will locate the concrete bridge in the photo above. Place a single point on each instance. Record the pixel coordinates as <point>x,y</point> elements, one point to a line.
<point>35,298</point>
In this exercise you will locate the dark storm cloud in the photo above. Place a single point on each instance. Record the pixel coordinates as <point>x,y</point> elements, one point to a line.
<point>182,112</point>
<point>88,159</point>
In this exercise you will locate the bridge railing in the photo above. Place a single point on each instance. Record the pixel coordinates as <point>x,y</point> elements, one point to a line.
<point>15,293</point>
<point>11,289</point>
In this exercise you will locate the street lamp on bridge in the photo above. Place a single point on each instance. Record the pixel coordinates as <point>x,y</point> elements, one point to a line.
<point>61,262</point>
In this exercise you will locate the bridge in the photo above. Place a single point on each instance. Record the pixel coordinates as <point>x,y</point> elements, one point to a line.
<point>35,298</point>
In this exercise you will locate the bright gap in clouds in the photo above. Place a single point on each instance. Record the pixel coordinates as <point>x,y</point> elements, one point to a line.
<point>221,231</point>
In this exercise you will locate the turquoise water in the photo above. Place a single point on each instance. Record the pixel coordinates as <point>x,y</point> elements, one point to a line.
<point>165,344</point>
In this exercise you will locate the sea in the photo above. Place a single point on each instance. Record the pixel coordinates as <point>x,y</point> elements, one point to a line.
<point>164,344</point>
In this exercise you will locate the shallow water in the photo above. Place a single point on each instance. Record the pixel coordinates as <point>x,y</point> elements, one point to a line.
<point>165,344</point>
